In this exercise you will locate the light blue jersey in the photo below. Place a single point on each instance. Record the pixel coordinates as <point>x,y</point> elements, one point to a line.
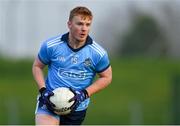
<point>68,67</point>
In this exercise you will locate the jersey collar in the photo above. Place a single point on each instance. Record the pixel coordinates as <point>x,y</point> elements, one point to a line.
<point>65,39</point>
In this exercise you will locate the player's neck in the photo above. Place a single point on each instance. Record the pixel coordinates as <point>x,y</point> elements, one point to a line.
<point>74,43</point>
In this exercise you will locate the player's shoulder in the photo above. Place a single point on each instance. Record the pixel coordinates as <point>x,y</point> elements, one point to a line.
<point>96,47</point>
<point>53,41</point>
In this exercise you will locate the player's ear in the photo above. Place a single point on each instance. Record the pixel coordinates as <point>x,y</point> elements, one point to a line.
<point>69,23</point>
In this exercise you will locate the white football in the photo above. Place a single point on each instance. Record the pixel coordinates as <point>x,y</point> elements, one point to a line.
<point>60,99</point>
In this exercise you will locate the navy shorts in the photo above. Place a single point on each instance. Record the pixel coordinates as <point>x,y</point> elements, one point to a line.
<point>74,118</point>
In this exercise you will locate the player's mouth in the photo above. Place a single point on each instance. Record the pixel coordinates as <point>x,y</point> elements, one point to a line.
<point>82,35</point>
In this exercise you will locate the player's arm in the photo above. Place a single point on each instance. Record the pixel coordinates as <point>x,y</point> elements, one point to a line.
<point>37,70</point>
<point>103,81</point>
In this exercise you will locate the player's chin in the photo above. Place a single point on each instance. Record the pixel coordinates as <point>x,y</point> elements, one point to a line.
<point>82,39</point>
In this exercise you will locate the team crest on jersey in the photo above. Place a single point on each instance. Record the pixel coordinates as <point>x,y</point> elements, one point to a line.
<point>88,62</point>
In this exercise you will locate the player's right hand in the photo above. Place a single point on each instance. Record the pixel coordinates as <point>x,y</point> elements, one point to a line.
<point>44,98</point>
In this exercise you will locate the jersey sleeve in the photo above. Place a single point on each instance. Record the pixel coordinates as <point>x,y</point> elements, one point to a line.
<point>103,64</point>
<point>43,54</point>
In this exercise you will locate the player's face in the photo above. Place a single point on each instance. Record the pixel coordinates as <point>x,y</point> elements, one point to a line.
<point>79,27</point>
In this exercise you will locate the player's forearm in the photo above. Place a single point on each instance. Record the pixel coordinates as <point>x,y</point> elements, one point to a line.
<point>38,75</point>
<point>103,81</point>
<point>98,85</point>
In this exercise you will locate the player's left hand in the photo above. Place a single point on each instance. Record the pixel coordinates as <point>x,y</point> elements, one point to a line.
<point>79,96</point>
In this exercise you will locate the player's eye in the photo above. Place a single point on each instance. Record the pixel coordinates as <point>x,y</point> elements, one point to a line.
<point>79,23</point>
<point>88,24</point>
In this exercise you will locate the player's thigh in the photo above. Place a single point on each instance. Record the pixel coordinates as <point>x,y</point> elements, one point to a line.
<point>44,116</point>
<point>44,119</point>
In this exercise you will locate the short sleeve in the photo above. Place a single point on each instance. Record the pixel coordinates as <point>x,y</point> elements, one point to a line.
<point>43,54</point>
<point>103,64</point>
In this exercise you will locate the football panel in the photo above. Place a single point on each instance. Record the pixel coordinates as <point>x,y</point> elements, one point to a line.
<point>60,99</point>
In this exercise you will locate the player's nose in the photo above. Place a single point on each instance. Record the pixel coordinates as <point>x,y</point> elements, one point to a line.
<point>84,28</point>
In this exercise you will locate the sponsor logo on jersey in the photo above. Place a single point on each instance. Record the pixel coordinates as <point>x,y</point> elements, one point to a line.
<point>72,74</point>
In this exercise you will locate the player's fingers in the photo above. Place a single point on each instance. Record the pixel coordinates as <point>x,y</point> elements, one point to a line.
<point>72,99</point>
<point>51,94</point>
<point>73,91</point>
<point>48,102</point>
<point>53,105</point>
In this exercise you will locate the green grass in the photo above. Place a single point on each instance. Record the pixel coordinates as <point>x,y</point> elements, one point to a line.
<point>145,82</point>
<point>142,85</point>
<point>17,88</point>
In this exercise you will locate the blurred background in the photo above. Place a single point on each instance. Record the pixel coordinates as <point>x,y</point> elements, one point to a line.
<point>141,36</point>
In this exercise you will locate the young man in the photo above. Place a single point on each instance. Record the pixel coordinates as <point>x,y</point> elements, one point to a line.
<point>73,59</point>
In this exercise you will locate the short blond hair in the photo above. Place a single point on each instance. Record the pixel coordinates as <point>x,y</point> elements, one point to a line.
<point>80,10</point>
